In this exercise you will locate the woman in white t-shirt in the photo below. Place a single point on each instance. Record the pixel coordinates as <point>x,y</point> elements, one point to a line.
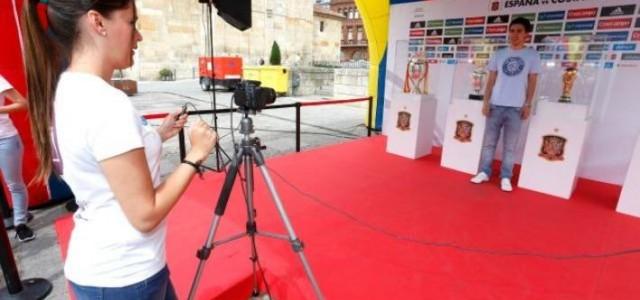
<point>109,157</point>
<point>11,153</point>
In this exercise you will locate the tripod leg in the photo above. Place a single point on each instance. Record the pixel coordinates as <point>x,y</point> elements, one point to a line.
<point>204,252</point>
<point>296,243</point>
<point>251,222</point>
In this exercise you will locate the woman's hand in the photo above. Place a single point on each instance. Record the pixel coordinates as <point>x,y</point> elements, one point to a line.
<point>172,124</point>
<point>202,139</point>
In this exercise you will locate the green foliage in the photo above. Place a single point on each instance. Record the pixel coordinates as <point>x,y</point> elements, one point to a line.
<point>166,74</point>
<point>275,59</point>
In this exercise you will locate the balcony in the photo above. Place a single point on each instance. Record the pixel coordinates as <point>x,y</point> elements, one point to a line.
<point>353,43</point>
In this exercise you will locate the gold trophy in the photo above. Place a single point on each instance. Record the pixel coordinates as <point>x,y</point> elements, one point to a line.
<point>568,78</point>
<point>478,79</point>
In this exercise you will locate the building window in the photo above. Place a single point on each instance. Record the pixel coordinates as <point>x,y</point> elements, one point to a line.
<point>359,35</point>
<point>321,26</point>
<point>350,34</point>
<point>356,14</point>
<point>350,13</point>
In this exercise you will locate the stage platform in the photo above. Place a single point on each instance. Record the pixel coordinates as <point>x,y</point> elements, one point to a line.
<point>379,226</point>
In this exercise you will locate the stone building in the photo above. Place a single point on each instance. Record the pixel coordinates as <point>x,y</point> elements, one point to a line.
<point>174,35</point>
<point>326,34</point>
<point>354,39</point>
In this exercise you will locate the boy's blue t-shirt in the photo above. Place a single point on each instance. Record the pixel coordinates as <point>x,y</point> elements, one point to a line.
<point>513,67</point>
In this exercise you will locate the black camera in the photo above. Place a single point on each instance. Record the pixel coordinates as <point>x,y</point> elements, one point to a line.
<point>249,95</point>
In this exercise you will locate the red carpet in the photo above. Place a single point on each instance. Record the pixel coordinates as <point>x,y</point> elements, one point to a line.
<point>392,228</point>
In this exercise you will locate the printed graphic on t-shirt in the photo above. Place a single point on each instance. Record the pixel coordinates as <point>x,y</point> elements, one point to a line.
<point>513,66</point>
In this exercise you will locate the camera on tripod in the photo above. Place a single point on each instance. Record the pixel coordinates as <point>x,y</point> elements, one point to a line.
<point>250,96</point>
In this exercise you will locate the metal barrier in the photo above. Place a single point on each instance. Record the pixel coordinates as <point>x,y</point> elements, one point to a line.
<point>297,105</point>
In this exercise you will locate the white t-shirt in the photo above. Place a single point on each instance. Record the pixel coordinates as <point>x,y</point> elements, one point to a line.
<point>93,122</point>
<point>513,67</point>
<point>6,126</point>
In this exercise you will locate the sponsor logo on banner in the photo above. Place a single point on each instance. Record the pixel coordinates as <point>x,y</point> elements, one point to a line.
<point>416,42</point>
<point>434,41</point>
<point>551,15</point>
<point>477,48</point>
<point>431,55</point>
<point>430,48</point>
<point>474,40</point>
<point>482,55</point>
<point>583,13</point>
<point>544,48</point>
<point>502,19</point>
<point>637,23</point>
<point>434,32</point>
<point>562,48</point>
<point>569,64</point>
<point>495,6</point>
<point>530,16</point>
<point>594,56</point>
<point>608,65</point>
<point>547,38</point>
<point>454,22</point>
<point>418,24</point>
<point>573,56</point>
<point>579,25</point>
<point>578,37</point>
<point>443,48</point>
<point>614,36</point>
<point>497,40</point>
<point>463,48</point>
<point>546,56</point>
<point>615,23</point>
<point>453,31</point>
<point>475,21</point>
<point>630,56</point>
<point>549,27</point>
<point>473,30</point>
<point>416,33</point>
<point>447,55</point>
<point>496,48</point>
<point>500,29</point>
<point>435,23</point>
<point>452,62</point>
<point>598,47</point>
<point>635,36</point>
<point>619,10</point>
<point>452,40</point>
<point>432,61</point>
<point>624,47</point>
<point>462,55</point>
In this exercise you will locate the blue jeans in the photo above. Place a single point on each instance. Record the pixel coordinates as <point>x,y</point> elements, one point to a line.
<point>11,153</point>
<point>156,287</point>
<point>508,120</point>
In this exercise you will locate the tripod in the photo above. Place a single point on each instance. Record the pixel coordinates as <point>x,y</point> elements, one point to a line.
<point>247,153</point>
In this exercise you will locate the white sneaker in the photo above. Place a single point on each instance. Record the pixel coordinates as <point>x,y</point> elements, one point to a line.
<point>505,185</point>
<point>480,178</point>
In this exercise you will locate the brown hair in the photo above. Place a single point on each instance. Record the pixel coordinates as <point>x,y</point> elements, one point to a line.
<point>44,54</point>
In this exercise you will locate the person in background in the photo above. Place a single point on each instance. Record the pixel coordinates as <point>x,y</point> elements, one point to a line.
<point>513,75</point>
<point>109,158</point>
<point>11,154</point>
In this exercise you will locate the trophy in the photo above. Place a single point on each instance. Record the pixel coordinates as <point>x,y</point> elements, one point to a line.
<point>568,78</point>
<point>415,79</point>
<point>478,80</point>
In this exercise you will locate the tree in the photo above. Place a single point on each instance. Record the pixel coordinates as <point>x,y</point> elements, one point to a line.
<point>275,58</point>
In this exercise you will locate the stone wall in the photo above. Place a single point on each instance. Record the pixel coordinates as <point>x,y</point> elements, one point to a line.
<point>334,82</point>
<point>312,81</point>
<point>351,82</point>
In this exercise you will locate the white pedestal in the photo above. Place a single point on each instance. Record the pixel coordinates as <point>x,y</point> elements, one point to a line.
<point>545,168</point>
<point>415,139</point>
<point>463,136</point>
<point>629,202</point>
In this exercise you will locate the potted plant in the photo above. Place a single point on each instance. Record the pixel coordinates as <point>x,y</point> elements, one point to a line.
<point>166,74</point>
